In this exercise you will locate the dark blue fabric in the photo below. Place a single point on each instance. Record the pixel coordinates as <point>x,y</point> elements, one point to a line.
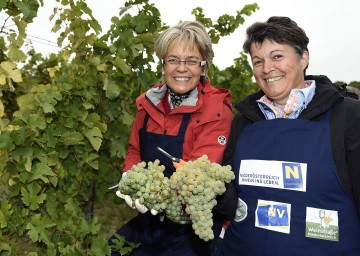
<point>164,238</point>
<point>298,141</point>
<point>171,144</point>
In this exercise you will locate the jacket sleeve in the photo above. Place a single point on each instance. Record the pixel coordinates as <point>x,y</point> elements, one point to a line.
<point>352,149</point>
<point>345,122</point>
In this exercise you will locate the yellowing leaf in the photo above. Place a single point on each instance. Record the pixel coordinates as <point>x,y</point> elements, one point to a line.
<point>1,109</point>
<point>8,70</point>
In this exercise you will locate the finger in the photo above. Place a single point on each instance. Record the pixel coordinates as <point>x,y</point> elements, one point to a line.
<point>119,194</point>
<point>129,201</point>
<point>140,207</point>
<point>154,212</point>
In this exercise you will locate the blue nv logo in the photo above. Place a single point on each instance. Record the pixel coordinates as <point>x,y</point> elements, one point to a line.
<point>273,215</point>
<point>292,175</point>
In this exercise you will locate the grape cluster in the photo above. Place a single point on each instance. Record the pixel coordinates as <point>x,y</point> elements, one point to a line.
<point>147,183</point>
<point>197,184</point>
<point>187,197</point>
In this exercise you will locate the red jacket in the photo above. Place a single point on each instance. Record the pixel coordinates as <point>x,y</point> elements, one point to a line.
<point>208,129</point>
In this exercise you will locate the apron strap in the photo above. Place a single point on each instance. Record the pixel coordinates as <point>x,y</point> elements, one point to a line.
<point>183,126</point>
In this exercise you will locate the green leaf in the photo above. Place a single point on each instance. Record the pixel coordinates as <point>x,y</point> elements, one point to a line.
<point>15,54</point>
<point>72,138</point>
<point>91,227</point>
<point>6,142</point>
<point>5,213</point>
<point>91,160</point>
<point>100,247</point>
<point>38,229</point>
<point>124,67</point>
<point>41,171</point>
<point>94,135</point>
<point>112,89</point>
<point>127,119</point>
<point>5,247</point>
<point>31,196</point>
<point>37,121</point>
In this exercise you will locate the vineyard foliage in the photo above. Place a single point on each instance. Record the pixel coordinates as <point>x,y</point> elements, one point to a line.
<point>65,119</point>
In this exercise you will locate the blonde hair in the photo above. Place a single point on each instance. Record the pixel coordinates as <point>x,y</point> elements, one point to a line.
<point>192,32</point>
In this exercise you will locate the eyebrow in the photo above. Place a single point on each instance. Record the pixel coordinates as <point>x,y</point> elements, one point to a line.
<point>187,57</point>
<point>272,52</point>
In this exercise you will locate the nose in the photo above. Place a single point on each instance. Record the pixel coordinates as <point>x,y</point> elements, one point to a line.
<point>268,67</point>
<point>182,65</point>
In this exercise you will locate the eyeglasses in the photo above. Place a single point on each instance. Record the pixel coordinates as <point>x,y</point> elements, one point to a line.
<point>176,62</point>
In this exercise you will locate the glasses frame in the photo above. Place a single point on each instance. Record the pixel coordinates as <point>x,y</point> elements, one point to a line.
<point>177,62</point>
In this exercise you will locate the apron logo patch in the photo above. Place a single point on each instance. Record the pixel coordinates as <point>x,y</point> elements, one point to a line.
<point>241,211</point>
<point>222,140</point>
<point>273,216</point>
<point>322,224</point>
<point>273,174</point>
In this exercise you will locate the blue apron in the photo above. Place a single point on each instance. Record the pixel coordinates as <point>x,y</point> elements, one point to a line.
<point>160,236</point>
<point>291,198</point>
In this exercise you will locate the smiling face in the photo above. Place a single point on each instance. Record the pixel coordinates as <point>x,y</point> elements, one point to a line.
<point>278,69</point>
<point>182,78</point>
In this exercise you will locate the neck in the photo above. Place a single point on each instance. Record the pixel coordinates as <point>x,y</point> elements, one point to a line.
<point>279,105</point>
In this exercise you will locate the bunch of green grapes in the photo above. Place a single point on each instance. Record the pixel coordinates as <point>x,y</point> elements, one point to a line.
<point>197,184</point>
<point>147,183</point>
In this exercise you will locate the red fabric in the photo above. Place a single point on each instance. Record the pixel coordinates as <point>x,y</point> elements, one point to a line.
<point>210,119</point>
<point>166,104</point>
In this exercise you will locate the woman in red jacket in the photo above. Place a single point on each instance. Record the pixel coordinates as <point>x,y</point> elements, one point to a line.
<point>187,117</point>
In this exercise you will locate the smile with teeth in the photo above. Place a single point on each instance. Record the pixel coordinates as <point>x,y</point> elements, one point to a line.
<point>182,78</point>
<point>273,79</point>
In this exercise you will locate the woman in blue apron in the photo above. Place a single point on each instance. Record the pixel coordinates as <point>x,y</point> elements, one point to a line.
<point>181,117</point>
<point>295,152</point>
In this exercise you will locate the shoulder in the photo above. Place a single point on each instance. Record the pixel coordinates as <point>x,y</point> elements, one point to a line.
<point>217,98</point>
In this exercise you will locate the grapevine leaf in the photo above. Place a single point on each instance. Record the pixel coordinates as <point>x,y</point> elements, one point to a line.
<point>91,227</point>
<point>127,119</point>
<point>38,229</point>
<point>41,171</point>
<point>91,160</point>
<point>4,247</point>
<point>9,70</point>
<point>37,121</point>
<point>112,89</point>
<point>72,138</point>
<point>6,143</point>
<point>99,247</point>
<point>2,112</point>
<point>5,213</point>
<point>120,63</point>
<point>26,102</point>
<point>15,54</point>
<point>31,196</point>
<point>94,135</point>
